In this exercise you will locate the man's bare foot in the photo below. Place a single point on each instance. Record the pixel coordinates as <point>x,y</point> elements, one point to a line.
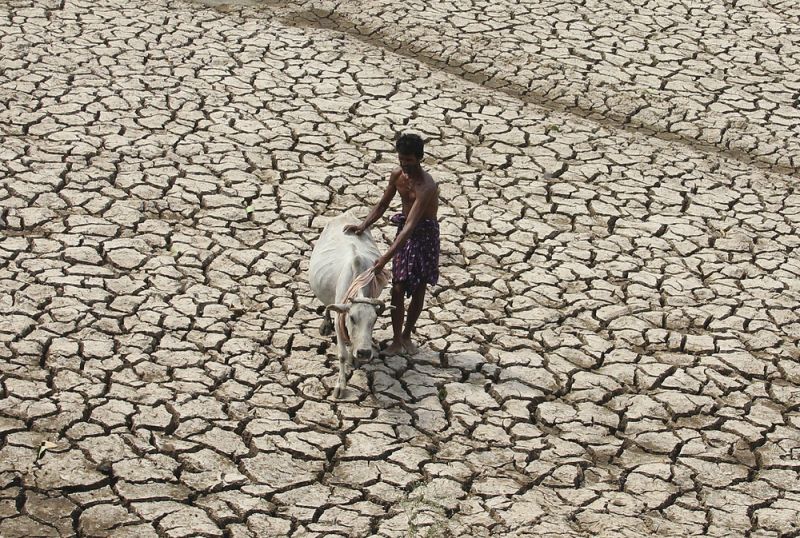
<point>395,348</point>
<point>409,346</point>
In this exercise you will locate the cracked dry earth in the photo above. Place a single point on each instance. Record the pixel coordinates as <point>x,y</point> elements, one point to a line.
<point>612,351</point>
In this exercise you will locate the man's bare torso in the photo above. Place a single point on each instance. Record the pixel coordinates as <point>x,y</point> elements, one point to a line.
<point>408,188</point>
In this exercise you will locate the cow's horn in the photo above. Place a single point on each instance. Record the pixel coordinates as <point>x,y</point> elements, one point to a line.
<point>368,300</point>
<point>338,308</point>
<point>379,305</point>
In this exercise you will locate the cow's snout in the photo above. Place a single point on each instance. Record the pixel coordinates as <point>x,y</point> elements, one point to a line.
<point>363,354</point>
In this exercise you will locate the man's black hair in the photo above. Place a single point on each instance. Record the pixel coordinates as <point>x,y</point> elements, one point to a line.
<point>410,144</point>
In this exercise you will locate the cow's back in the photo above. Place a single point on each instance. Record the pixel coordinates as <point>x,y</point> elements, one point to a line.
<point>334,254</point>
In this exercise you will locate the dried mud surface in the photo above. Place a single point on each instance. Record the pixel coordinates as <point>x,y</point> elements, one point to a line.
<point>613,347</point>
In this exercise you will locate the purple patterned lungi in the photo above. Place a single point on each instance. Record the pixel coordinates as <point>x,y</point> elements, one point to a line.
<point>417,261</point>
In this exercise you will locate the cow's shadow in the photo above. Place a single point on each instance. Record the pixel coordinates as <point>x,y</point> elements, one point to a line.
<point>417,382</point>
<point>412,381</point>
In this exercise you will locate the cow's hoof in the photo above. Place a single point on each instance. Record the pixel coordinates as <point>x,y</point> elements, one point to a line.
<point>338,392</point>
<point>326,328</point>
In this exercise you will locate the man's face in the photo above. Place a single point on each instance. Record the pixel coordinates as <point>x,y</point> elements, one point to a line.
<point>408,163</point>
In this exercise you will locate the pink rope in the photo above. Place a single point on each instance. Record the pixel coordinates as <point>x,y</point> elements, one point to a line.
<point>367,278</point>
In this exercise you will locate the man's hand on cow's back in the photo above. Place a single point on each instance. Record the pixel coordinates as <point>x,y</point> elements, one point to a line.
<point>353,229</point>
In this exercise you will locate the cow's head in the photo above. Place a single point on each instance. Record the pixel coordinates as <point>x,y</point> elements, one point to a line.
<point>360,316</point>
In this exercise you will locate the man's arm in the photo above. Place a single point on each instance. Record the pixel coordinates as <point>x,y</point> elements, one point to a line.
<point>378,210</point>
<point>424,198</point>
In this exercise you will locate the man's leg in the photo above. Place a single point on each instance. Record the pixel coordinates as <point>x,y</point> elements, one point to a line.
<point>398,313</point>
<point>414,310</point>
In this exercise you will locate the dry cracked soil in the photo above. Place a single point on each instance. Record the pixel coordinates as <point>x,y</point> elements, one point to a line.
<point>612,349</point>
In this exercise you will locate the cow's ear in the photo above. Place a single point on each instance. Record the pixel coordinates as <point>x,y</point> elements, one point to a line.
<point>381,308</point>
<point>339,308</point>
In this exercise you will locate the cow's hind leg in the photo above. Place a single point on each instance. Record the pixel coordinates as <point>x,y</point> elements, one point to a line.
<point>326,328</point>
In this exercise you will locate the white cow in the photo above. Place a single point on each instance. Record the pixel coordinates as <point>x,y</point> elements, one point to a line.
<point>337,259</point>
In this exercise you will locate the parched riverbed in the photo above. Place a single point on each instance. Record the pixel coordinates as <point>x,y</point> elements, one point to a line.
<point>613,346</point>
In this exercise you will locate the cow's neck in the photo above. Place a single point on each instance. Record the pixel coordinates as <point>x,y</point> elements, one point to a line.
<point>357,267</point>
<point>355,290</point>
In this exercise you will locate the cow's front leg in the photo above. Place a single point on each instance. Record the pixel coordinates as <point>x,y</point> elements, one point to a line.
<point>345,362</point>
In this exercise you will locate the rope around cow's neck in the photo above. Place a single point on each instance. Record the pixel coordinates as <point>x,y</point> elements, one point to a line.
<point>368,277</point>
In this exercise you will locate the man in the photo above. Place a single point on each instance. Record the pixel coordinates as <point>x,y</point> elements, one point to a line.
<point>415,249</point>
